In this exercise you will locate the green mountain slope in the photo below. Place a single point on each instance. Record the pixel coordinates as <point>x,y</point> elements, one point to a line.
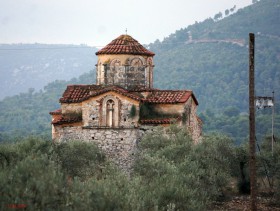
<point>28,113</point>
<point>215,62</point>
<point>24,66</point>
<point>210,58</point>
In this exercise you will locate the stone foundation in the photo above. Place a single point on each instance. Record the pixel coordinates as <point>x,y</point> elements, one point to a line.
<point>118,144</point>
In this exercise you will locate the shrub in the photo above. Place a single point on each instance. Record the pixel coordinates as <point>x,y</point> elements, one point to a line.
<point>34,182</point>
<point>80,159</point>
<point>132,112</point>
<point>175,172</point>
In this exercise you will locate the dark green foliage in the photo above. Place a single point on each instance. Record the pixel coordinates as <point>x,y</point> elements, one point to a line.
<point>43,175</point>
<point>34,181</point>
<point>170,173</point>
<point>175,172</point>
<point>184,118</point>
<point>77,164</point>
<point>237,126</point>
<point>231,111</point>
<point>29,176</point>
<point>148,111</point>
<point>269,166</point>
<point>110,193</point>
<point>132,112</point>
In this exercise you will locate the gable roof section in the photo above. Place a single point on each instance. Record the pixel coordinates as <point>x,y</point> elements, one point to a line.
<point>79,93</point>
<point>125,44</point>
<point>56,112</point>
<point>169,96</point>
<point>60,120</point>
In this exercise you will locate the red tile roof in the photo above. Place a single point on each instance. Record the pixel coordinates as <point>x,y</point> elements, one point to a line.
<point>56,112</point>
<point>141,89</point>
<point>125,44</point>
<point>59,120</point>
<point>79,93</point>
<point>169,96</point>
<point>158,121</point>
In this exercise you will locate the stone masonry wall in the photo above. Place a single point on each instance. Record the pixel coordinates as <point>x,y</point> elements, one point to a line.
<point>118,144</point>
<point>94,114</point>
<point>123,69</point>
<point>192,122</point>
<point>71,107</point>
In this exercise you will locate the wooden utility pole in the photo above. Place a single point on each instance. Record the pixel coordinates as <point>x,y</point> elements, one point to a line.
<point>272,124</point>
<point>252,142</point>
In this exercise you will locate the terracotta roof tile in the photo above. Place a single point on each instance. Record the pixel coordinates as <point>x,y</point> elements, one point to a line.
<point>56,112</point>
<point>79,93</point>
<point>125,44</point>
<point>59,120</point>
<point>141,89</point>
<point>169,96</point>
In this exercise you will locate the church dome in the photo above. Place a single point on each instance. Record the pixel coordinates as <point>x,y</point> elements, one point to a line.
<point>125,44</point>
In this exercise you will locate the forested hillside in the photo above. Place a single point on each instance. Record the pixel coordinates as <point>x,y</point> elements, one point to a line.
<point>210,58</point>
<point>28,113</point>
<point>25,66</point>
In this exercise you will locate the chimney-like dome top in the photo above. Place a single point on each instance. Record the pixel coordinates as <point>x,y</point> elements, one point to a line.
<point>125,44</point>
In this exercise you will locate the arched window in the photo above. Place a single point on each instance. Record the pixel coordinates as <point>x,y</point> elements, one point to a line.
<point>110,113</point>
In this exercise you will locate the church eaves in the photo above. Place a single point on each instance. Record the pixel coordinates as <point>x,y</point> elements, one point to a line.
<point>79,93</point>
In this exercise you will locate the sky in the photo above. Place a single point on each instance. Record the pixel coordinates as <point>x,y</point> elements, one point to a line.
<point>96,23</point>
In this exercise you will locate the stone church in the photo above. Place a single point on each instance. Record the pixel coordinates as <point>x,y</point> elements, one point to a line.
<point>123,105</point>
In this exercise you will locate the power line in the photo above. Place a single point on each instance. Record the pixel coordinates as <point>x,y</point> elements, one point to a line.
<point>69,47</point>
<point>46,48</point>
